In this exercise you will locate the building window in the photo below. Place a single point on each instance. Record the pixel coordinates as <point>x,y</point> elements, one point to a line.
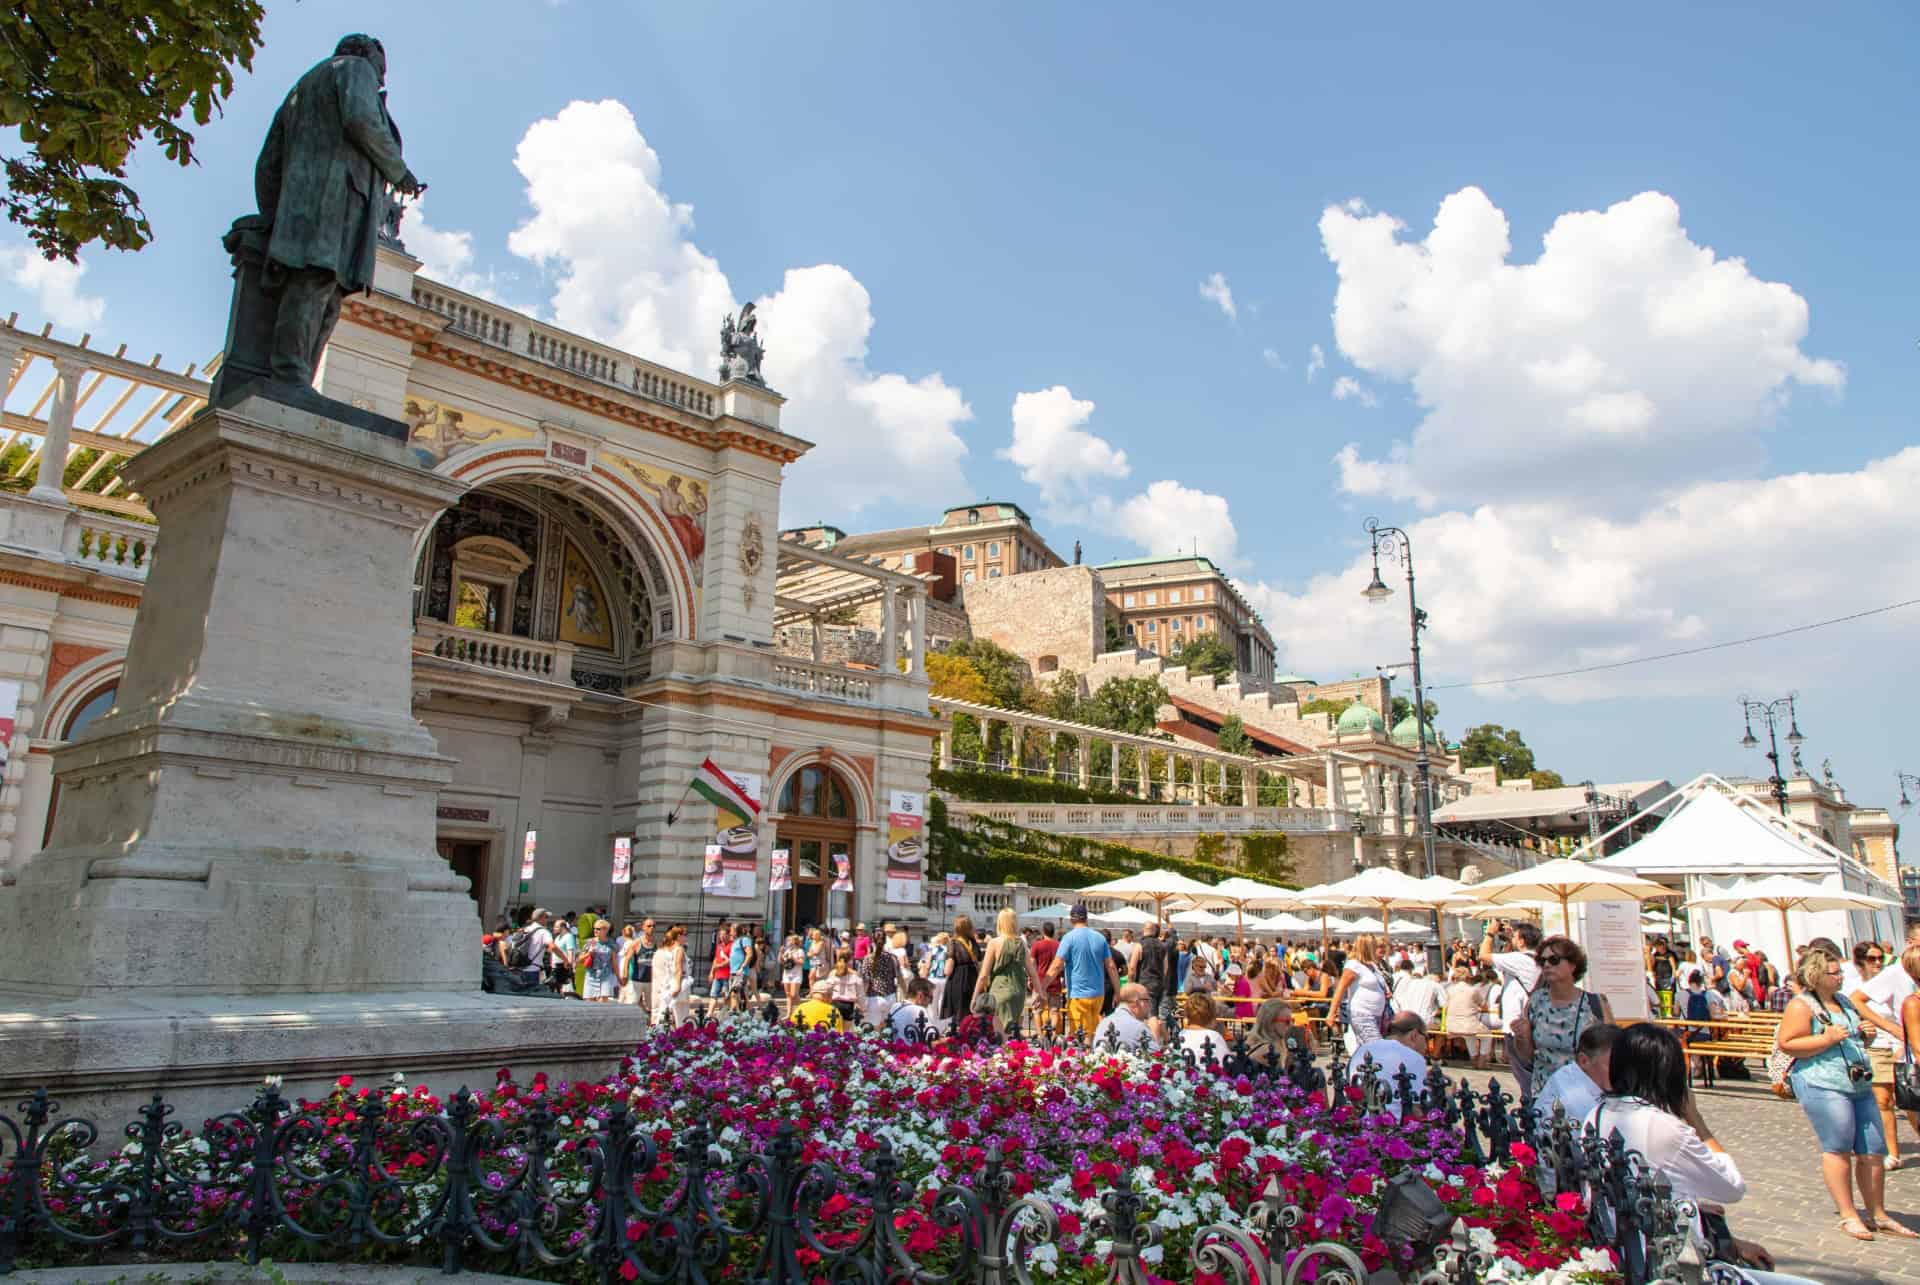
<point>1173,595</point>
<point>967,553</point>
<point>1153,626</point>
<point>967,577</point>
<point>1153,600</point>
<point>993,548</point>
<point>479,605</point>
<point>1200,594</point>
<point>1129,629</point>
<point>946,550</point>
<point>1173,626</point>
<point>993,573</point>
<point>973,516</point>
<point>1126,600</point>
<point>1200,622</point>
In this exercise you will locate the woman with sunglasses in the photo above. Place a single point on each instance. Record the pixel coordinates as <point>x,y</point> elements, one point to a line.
<point>1544,1035</point>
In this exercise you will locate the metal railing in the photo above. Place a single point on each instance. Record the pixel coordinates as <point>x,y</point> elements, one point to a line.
<point>279,1178</point>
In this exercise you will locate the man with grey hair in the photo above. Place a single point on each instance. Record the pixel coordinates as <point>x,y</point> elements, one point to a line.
<point>1403,1044</point>
<point>1131,1022</point>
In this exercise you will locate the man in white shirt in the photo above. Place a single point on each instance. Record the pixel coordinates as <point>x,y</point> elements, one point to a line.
<point>1415,992</point>
<point>1879,1003</point>
<point>1131,1020</point>
<point>539,942</point>
<point>1403,1045</point>
<point>1579,1084</point>
<point>916,1013</point>
<point>1508,949</point>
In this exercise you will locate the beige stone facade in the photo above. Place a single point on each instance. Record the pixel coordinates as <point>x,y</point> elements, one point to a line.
<point>987,540</point>
<point>1053,619</point>
<point>1161,604</point>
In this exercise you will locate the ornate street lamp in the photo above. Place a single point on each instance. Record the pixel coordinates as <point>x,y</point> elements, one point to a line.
<point>1906,779</point>
<point>1394,542</point>
<point>1772,711</point>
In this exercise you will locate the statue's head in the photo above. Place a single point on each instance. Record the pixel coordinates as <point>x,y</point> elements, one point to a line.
<point>359,45</point>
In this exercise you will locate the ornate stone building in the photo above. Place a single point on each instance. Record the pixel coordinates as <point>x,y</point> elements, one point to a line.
<point>1162,604</point>
<point>592,620</point>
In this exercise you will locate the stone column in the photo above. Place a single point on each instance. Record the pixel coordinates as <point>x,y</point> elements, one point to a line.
<point>1053,755</point>
<point>819,640</point>
<point>889,630</point>
<point>918,638</point>
<point>1086,762</point>
<point>946,746</point>
<point>1173,776</point>
<point>1142,766</point>
<point>1249,787</point>
<point>1113,765</point>
<point>53,451</point>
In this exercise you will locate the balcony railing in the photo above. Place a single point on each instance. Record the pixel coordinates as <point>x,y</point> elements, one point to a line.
<point>823,680</point>
<point>112,545</point>
<point>501,653</point>
<point>1147,818</point>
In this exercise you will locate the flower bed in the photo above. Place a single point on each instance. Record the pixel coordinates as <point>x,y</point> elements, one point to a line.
<point>1069,1127</point>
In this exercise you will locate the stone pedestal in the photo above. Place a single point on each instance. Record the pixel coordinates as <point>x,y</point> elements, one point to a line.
<point>255,817</point>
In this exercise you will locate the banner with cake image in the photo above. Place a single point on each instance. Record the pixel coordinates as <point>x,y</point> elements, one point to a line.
<point>732,863</point>
<point>906,846</point>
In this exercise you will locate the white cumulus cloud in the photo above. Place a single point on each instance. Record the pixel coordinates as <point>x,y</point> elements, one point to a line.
<point>1169,517</point>
<point>1316,360</point>
<point>1622,332</point>
<point>1053,451</point>
<point>446,257</point>
<point>54,285</point>
<point>626,271</point>
<point>1217,292</point>
<point>1347,388</point>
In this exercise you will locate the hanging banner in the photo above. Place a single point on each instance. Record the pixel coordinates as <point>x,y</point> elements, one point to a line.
<point>956,885</point>
<point>842,872</point>
<point>713,875</point>
<point>906,846</point>
<point>9,711</point>
<point>781,877</point>
<point>737,838</point>
<point>526,860</point>
<point>623,860</point>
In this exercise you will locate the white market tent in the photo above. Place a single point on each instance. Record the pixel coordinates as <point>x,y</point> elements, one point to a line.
<point>1124,917</point>
<point>1717,840</point>
<point>1058,912</point>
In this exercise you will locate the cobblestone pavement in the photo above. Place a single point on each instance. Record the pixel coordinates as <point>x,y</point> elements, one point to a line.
<point>1787,1208</point>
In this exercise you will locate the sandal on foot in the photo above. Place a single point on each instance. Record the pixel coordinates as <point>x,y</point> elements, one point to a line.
<point>1892,1228</point>
<point>1855,1228</point>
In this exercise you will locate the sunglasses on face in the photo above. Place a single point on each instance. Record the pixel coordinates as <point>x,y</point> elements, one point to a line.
<point>1548,961</point>
<point>1876,959</point>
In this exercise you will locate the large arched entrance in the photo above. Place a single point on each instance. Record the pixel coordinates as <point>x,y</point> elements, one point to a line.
<point>818,812</point>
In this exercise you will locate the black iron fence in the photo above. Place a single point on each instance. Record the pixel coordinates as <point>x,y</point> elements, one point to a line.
<point>284,1181</point>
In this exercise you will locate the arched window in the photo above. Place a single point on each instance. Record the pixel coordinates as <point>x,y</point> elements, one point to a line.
<point>90,709</point>
<point>815,792</point>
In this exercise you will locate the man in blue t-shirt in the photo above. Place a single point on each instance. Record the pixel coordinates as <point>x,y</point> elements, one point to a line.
<point>1087,962</point>
<point>740,968</point>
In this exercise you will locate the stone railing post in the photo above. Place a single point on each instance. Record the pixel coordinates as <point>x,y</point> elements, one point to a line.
<point>51,486</point>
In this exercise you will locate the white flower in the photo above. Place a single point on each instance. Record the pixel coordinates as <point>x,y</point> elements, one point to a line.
<point>1045,1259</point>
<point>1152,1254</point>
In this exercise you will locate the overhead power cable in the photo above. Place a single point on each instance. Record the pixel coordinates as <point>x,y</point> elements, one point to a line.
<point>1674,655</point>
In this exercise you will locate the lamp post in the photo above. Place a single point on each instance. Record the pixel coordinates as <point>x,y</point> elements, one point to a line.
<point>1906,779</point>
<point>1359,843</point>
<point>1773,711</point>
<point>1395,544</point>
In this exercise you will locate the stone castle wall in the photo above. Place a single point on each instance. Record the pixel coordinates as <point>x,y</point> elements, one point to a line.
<point>1054,620</point>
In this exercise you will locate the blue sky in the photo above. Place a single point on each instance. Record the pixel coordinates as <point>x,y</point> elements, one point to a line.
<point>945,208</point>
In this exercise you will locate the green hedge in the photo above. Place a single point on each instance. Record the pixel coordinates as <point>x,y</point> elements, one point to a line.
<point>992,852</point>
<point>998,787</point>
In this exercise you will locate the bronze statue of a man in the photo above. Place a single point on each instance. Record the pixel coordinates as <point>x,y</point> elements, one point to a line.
<point>320,182</point>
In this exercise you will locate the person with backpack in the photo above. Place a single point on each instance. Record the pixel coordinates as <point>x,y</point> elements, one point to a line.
<point>1661,968</point>
<point>1546,1032</point>
<point>527,949</point>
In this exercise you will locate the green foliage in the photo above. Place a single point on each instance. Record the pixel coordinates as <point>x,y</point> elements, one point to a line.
<point>1004,673</point>
<point>1266,857</point>
<point>1116,640</point>
<point>957,678</point>
<point>1210,848</point>
<point>1323,705</point>
<point>1546,779</point>
<point>1402,707</point>
<point>1205,654</point>
<point>993,852</point>
<point>83,81</point>
<point>1490,743</point>
<point>1125,705</point>
<point>997,787</point>
<point>1233,736</point>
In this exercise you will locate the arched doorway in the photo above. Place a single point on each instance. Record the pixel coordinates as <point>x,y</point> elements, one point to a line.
<point>817,812</point>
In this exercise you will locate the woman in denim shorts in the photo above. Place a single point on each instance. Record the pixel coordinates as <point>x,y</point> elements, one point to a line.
<point>1832,1078</point>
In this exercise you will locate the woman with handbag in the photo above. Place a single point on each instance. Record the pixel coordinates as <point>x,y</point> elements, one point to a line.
<point>1832,1077</point>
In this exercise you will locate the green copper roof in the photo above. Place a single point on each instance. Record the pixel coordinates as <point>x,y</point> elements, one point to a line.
<point>1358,717</point>
<point>1407,732</point>
<point>1295,680</point>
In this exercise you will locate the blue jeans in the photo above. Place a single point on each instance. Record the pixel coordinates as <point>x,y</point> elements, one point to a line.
<point>718,988</point>
<point>1845,1123</point>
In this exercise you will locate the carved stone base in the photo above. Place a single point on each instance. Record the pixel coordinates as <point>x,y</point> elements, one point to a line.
<point>256,814</point>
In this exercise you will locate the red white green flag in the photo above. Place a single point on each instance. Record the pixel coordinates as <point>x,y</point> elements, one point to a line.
<point>717,788</point>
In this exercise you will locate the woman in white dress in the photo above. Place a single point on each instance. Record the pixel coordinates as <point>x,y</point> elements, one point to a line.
<point>669,972</point>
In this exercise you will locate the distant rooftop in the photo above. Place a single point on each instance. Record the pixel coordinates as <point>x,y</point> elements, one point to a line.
<point>1173,557</point>
<point>989,504</point>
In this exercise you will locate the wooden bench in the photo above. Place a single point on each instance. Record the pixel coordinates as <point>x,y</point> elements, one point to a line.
<point>1745,1036</point>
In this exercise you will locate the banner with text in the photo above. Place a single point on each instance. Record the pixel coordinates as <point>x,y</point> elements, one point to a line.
<point>906,846</point>
<point>1616,964</point>
<point>739,843</point>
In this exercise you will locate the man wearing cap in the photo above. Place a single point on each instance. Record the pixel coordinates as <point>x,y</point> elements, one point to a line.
<point>816,1012</point>
<point>1086,961</point>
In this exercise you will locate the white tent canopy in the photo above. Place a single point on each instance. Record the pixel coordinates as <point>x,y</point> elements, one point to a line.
<point>1712,833</point>
<point>1123,917</point>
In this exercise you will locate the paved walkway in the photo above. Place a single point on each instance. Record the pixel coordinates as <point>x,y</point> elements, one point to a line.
<point>1787,1208</point>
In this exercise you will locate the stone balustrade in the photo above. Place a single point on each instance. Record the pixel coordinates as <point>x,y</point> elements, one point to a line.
<point>476,319</point>
<point>1123,818</point>
<point>823,680</point>
<point>501,653</point>
<point>112,545</point>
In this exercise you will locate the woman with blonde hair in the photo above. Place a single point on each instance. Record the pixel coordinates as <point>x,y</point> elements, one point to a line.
<point>963,971</point>
<point>670,978</point>
<point>1360,1004</point>
<point>1006,972</point>
<point>793,969</point>
<point>1832,1079</point>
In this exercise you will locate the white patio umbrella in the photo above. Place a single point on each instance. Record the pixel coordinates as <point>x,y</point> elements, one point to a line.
<point>1155,886</point>
<point>1318,897</point>
<point>1123,917</point>
<point>1058,911</point>
<point>1200,918</point>
<point>1388,890</point>
<point>1784,893</point>
<point>1564,880</point>
<point>1240,895</point>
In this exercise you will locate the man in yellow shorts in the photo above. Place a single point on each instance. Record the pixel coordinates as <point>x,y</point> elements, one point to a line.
<point>1086,961</point>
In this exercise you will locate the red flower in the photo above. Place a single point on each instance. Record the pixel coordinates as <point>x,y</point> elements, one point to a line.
<point>628,1271</point>
<point>1568,1202</point>
<point>1359,1185</point>
<point>345,1082</point>
<point>1524,1154</point>
<point>1483,1197</point>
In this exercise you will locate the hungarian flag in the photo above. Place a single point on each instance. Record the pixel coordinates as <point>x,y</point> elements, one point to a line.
<point>717,788</point>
